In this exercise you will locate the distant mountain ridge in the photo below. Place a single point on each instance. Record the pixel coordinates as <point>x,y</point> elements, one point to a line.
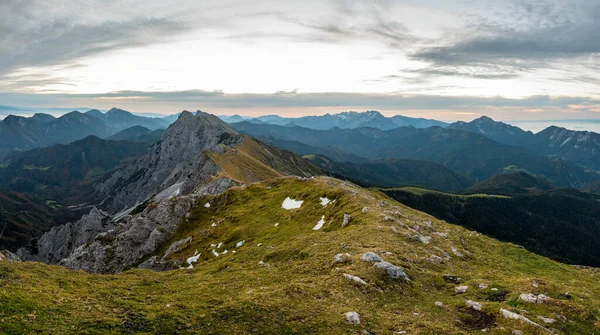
<point>473,155</point>
<point>344,120</point>
<point>18,133</point>
<point>582,147</point>
<point>119,119</point>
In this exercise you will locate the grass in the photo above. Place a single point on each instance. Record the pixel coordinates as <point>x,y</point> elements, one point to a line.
<point>420,191</point>
<point>300,290</point>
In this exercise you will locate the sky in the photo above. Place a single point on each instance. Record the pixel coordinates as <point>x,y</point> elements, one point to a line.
<point>523,60</point>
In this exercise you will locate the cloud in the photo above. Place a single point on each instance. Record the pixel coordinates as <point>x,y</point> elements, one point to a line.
<point>527,34</point>
<point>284,99</point>
<point>36,33</point>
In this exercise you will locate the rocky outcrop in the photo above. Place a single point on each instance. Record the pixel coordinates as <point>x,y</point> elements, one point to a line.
<point>9,256</point>
<point>133,241</point>
<point>60,241</point>
<point>176,165</point>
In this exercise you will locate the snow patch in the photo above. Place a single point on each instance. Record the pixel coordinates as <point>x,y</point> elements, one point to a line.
<point>320,224</point>
<point>192,260</point>
<point>325,201</point>
<point>207,205</point>
<point>240,243</point>
<point>215,253</point>
<point>289,203</point>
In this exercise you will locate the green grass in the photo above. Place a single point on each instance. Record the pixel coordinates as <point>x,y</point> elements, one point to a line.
<point>420,191</point>
<point>301,290</point>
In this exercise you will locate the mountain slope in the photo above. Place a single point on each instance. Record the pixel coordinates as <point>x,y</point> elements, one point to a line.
<point>119,119</point>
<point>282,277</point>
<point>19,133</point>
<point>51,186</point>
<point>396,173</point>
<point>470,154</point>
<point>193,153</point>
<point>495,130</point>
<point>582,147</point>
<point>138,134</point>
<point>561,224</point>
<point>511,184</point>
<point>23,216</point>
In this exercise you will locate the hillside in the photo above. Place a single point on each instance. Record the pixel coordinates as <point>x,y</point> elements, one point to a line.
<point>495,130</point>
<point>23,216</point>
<point>138,134</point>
<point>472,155</point>
<point>52,185</point>
<point>561,224</point>
<point>582,147</point>
<point>511,184</point>
<point>395,173</point>
<point>196,153</point>
<point>259,268</point>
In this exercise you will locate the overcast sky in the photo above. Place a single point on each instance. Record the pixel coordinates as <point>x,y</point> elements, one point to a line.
<point>445,59</point>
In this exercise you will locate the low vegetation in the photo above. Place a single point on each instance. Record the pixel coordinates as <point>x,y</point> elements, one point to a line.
<point>279,276</point>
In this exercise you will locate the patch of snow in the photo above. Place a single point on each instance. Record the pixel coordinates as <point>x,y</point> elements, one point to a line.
<point>207,205</point>
<point>215,253</point>
<point>277,224</point>
<point>320,224</point>
<point>214,224</point>
<point>168,193</point>
<point>240,243</point>
<point>224,252</point>
<point>325,201</point>
<point>219,245</point>
<point>191,260</point>
<point>289,203</point>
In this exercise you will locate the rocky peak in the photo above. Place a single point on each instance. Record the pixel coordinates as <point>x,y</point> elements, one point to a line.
<point>175,165</point>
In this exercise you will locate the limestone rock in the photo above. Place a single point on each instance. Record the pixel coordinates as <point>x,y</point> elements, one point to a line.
<point>461,289</point>
<point>355,279</point>
<point>395,272</point>
<point>533,299</point>
<point>475,305</point>
<point>353,318</point>
<point>136,237</point>
<point>61,241</point>
<point>342,258</point>
<point>9,256</point>
<point>370,257</point>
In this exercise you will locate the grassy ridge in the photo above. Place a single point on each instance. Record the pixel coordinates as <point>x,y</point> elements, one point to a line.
<point>299,289</point>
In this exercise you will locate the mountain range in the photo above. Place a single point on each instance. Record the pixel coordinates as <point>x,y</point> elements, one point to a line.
<point>211,230</point>
<point>344,120</point>
<point>19,133</point>
<point>473,155</point>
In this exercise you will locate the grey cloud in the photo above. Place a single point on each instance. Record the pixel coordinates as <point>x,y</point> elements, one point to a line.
<point>530,34</point>
<point>218,99</point>
<point>31,37</point>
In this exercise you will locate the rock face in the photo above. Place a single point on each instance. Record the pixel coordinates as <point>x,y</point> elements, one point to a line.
<point>9,256</point>
<point>176,165</point>
<point>60,241</point>
<point>136,238</point>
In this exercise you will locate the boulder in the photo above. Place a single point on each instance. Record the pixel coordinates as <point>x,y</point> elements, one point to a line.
<point>353,318</point>
<point>354,279</point>
<point>395,272</point>
<point>370,257</point>
<point>342,258</point>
